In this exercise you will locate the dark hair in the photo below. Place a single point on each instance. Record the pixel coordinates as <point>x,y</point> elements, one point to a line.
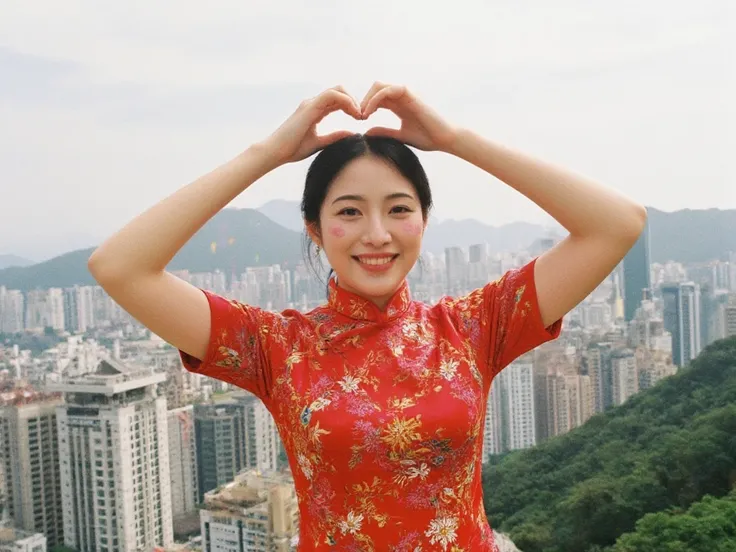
<point>335,157</point>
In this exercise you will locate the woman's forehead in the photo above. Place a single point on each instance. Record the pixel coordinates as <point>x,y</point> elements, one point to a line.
<point>370,178</point>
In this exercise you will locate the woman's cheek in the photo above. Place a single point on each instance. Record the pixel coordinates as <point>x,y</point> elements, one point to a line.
<point>336,231</point>
<point>413,228</point>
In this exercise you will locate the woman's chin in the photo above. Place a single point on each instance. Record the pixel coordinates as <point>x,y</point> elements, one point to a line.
<point>375,286</point>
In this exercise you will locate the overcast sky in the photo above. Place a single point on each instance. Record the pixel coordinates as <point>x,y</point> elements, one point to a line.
<point>107,107</point>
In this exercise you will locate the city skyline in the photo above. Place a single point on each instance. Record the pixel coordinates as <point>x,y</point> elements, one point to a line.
<point>110,109</point>
<point>169,445</point>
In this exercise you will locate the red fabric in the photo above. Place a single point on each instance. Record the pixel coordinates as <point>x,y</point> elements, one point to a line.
<point>381,412</point>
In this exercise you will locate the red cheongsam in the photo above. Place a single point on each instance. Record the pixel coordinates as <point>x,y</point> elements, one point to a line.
<point>381,411</point>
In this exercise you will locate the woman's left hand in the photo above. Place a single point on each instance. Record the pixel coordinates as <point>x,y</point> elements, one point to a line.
<point>421,127</point>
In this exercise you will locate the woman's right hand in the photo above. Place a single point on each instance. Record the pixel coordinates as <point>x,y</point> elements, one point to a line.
<point>297,138</point>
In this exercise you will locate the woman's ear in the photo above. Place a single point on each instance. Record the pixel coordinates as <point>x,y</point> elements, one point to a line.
<point>313,233</point>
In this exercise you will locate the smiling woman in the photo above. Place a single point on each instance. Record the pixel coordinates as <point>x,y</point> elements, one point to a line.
<point>366,202</point>
<point>380,400</point>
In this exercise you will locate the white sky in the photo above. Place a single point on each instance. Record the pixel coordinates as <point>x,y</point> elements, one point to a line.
<point>107,107</point>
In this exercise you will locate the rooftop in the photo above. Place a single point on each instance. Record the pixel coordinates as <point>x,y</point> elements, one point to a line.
<point>9,535</point>
<point>250,489</point>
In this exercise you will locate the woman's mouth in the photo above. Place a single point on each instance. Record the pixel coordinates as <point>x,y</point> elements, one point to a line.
<point>376,263</point>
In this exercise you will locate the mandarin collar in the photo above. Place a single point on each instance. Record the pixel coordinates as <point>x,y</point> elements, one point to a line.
<point>354,306</point>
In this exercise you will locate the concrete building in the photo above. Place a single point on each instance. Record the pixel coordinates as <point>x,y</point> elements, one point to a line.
<point>636,269</point>
<point>258,512</point>
<point>182,462</point>
<point>682,319</point>
<point>262,441</point>
<point>113,445</point>
<point>29,461</point>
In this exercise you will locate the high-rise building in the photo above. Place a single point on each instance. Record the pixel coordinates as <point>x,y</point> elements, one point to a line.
<point>637,279</point>
<point>30,464</point>
<point>569,402</point>
<point>182,462</point>
<point>730,316</point>
<point>624,375</point>
<point>257,512</point>
<point>12,307</point>
<point>492,430</point>
<point>598,361</point>
<point>79,312</point>
<point>682,319</point>
<point>516,387</point>
<point>221,452</point>
<point>456,267</point>
<point>262,441</point>
<point>113,446</point>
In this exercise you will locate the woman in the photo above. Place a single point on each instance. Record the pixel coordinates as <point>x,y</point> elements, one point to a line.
<point>380,401</point>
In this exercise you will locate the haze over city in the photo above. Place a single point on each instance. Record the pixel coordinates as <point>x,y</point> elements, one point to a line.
<point>109,107</point>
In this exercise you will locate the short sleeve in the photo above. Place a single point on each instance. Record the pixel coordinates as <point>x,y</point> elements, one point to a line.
<point>501,321</point>
<point>242,340</point>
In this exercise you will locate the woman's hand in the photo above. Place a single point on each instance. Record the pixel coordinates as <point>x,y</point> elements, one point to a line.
<point>297,138</point>
<point>421,127</point>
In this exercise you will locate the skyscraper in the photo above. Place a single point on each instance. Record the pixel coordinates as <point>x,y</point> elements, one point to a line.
<point>183,462</point>
<point>262,441</point>
<point>29,460</point>
<point>221,451</point>
<point>113,447</point>
<point>637,278</point>
<point>682,320</point>
<point>456,267</point>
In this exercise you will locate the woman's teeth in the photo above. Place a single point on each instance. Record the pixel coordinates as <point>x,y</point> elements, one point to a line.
<point>377,261</point>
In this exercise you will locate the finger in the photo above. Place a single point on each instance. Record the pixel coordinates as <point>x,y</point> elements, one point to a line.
<point>385,132</point>
<point>334,100</point>
<point>377,86</point>
<point>388,93</point>
<point>341,88</point>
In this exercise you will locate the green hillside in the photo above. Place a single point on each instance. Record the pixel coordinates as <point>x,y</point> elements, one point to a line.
<point>707,526</point>
<point>666,447</point>
<point>241,238</point>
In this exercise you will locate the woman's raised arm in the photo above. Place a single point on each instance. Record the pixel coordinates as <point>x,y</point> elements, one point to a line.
<point>130,265</point>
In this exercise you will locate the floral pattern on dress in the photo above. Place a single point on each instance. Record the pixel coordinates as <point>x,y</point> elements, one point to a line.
<point>381,411</point>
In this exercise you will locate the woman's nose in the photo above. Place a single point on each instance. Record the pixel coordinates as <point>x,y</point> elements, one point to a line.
<point>376,234</point>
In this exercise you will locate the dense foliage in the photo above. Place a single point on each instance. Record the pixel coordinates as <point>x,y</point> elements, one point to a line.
<point>665,448</point>
<point>707,526</point>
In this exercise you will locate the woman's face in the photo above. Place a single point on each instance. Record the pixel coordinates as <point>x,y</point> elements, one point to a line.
<point>371,228</point>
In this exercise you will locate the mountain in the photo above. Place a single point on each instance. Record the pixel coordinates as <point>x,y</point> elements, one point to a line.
<point>13,260</point>
<point>663,450</point>
<point>691,235</point>
<point>248,237</point>
<point>685,236</point>
<point>231,241</point>
<point>284,212</point>
<point>439,235</point>
<point>463,233</point>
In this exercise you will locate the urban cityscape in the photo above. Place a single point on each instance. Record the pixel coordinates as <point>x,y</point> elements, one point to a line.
<point>108,444</point>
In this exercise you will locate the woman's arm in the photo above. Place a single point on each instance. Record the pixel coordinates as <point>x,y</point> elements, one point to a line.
<point>131,264</point>
<point>603,224</point>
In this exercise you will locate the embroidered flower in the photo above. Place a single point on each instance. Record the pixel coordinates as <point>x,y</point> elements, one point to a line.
<point>306,466</point>
<point>401,432</point>
<point>442,530</point>
<point>448,368</point>
<point>352,524</point>
<point>349,384</point>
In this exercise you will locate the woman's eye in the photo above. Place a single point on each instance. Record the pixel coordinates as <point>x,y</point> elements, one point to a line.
<point>401,209</point>
<point>349,211</point>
